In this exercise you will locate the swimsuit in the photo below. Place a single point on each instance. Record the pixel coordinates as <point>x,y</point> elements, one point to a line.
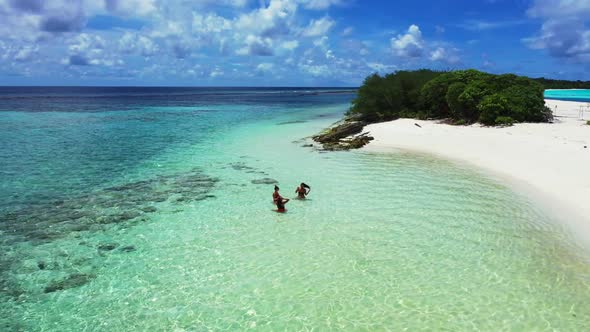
<point>301,192</point>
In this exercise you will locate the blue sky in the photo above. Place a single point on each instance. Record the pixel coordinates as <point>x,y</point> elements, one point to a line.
<point>285,43</point>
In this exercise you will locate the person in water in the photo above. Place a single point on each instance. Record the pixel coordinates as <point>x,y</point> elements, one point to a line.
<point>275,195</point>
<point>279,200</point>
<point>303,190</point>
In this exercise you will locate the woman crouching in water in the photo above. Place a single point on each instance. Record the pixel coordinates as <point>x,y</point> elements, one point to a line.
<point>279,200</point>
<point>303,190</point>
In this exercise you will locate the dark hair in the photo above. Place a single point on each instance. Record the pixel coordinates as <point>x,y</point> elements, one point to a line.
<point>304,185</point>
<point>276,188</point>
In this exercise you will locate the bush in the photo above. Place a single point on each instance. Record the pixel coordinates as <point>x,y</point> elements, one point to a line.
<point>421,116</point>
<point>491,108</point>
<point>459,122</point>
<point>405,113</point>
<point>504,121</point>
<point>391,96</point>
<point>467,95</point>
<point>452,98</point>
<point>588,122</point>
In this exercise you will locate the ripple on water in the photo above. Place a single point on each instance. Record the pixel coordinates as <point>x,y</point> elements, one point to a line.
<point>396,241</point>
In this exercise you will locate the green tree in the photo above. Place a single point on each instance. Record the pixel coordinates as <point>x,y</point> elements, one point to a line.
<point>492,107</point>
<point>464,95</point>
<point>452,99</point>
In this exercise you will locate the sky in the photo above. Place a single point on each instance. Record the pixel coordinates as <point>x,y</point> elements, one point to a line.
<point>285,43</point>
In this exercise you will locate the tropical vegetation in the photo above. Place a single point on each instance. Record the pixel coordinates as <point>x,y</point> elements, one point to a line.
<point>561,84</point>
<point>463,96</point>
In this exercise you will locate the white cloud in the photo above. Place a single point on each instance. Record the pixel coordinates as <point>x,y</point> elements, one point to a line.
<point>559,8</point>
<point>410,45</point>
<point>564,33</point>
<point>131,7</point>
<point>381,68</point>
<point>86,42</point>
<point>320,4</point>
<point>168,28</point>
<point>480,25</point>
<point>347,31</point>
<point>210,23</point>
<point>26,53</point>
<point>276,19</point>
<point>265,67</point>
<point>316,70</point>
<point>90,50</point>
<point>137,44</point>
<point>290,45</point>
<point>319,27</point>
<point>256,45</point>
<point>321,43</point>
<point>442,54</point>
<point>330,55</point>
<point>226,3</point>
<point>216,72</point>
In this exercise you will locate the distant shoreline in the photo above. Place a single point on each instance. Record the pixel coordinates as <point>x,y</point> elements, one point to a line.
<point>549,158</point>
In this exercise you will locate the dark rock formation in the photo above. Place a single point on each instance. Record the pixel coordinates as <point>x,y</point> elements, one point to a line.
<point>290,122</point>
<point>128,249</point>
<point>50,219</point>
<point>265,181</point>
<point>340,131</point>
<point>72,281</point>
<point>108,246</point>
<point>149,209</point>
<point>338,137</point>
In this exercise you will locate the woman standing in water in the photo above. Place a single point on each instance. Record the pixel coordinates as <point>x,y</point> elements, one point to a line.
<point>303,190</point>
<point>279,200</point>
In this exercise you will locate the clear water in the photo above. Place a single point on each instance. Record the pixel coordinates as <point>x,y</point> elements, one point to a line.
<point>570,95</point>
<point>141,214</point>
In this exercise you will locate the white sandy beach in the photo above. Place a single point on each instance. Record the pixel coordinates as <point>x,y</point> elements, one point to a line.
<point>550,159</point>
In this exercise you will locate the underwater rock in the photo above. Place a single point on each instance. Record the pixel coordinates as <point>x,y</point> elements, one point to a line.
<point>128,249</point>
<point>72,281</point>
<point>41,265</point>
<point>117,218</point>
<point>265,181</point>
<point>74,215</point>
<point>130,186</point>
<point>291,122</point>
<point>355,142</point>
<point>240,166</point>
<point>106,220</point>
<point>108,246</point>
<point>158,198</point>
<point>127,215</point>
<point>49,218</point>
<point>149,209</point>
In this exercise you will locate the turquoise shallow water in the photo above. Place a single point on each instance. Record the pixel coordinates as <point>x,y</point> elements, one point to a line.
<point>571,95</point>
<point>174,236</point>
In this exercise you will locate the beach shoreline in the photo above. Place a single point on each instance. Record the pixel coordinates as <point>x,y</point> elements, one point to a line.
<point>547,162</point>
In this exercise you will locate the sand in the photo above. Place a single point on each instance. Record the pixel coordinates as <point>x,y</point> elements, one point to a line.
<point>548,161</point>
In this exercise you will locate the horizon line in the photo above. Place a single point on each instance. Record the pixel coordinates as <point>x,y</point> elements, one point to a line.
<point>178,86</point>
